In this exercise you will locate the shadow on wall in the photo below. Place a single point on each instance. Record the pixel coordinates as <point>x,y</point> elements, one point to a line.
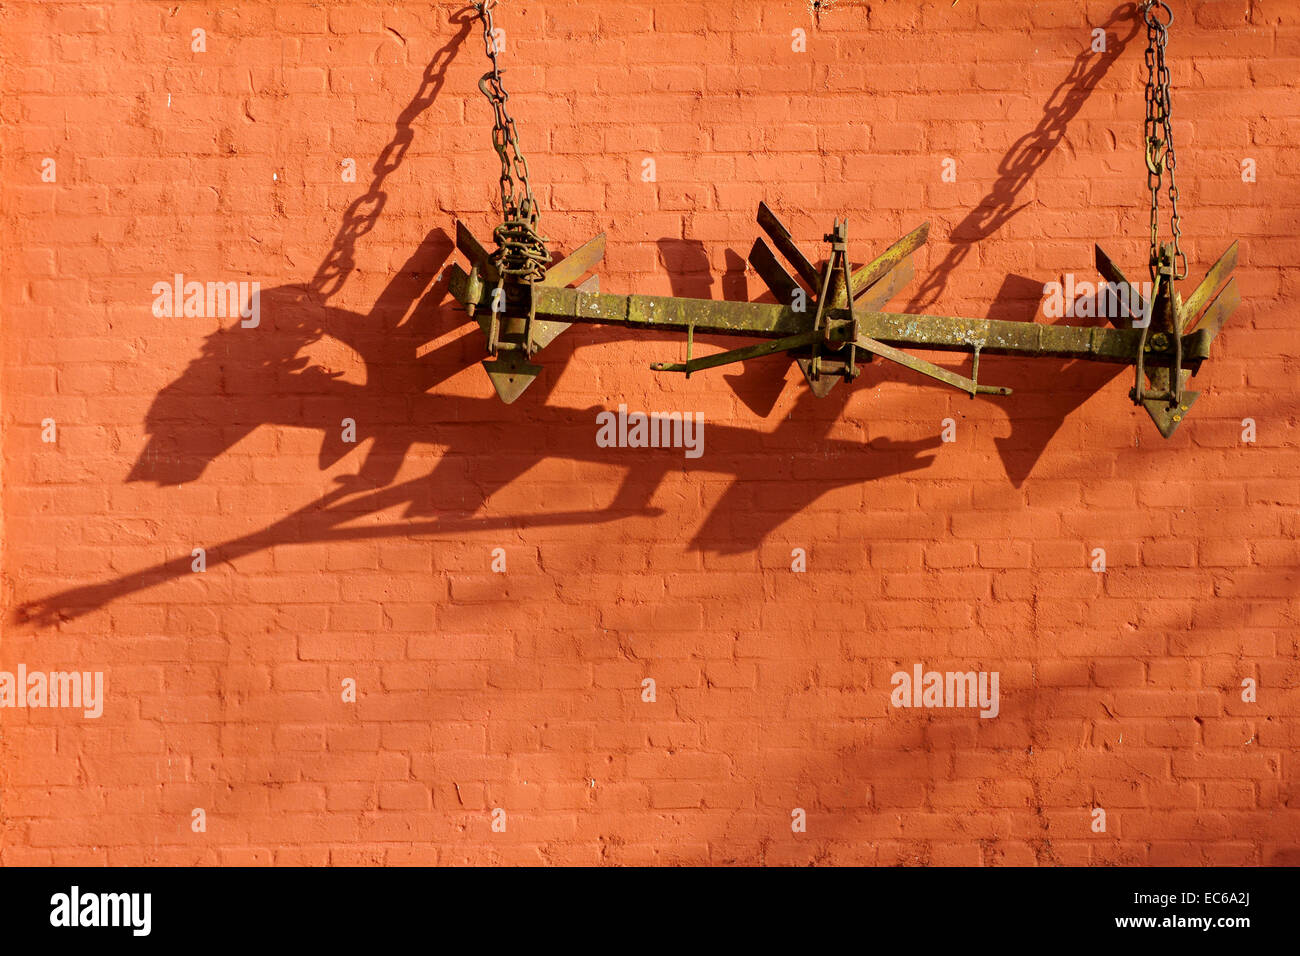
<point>264,379</point>
<point>757,383</point>
<point>1028,154</point>
<point>1077,381</point>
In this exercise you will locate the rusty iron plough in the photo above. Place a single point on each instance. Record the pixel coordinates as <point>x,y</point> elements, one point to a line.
<point>828,317</point>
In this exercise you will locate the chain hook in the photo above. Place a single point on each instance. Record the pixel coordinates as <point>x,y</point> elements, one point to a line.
<point>1148,11</point>
<point>1155,156</point>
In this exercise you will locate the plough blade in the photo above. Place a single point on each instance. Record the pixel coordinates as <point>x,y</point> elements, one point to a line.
<point>577,263</point>
<point>882,265</point>
<point>1168,407</point>
<point>829,376</point>
<point>511,374</point>
<point>474,251</point>
<point>1129,298</point>
<point>1224,304</point>
<point>510,371</point>
<point>875,297</point>
<point>784,243</point>
<point>1168,419</point>
<point>1198,300</point>
<point>774,275</point>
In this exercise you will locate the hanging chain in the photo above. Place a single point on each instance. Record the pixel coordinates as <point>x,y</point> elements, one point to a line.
<point>521,252</point>
<point>1160,155</point>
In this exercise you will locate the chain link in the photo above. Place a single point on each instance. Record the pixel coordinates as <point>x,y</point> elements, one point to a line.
<point>521,252</point>
<point>1160,155</point>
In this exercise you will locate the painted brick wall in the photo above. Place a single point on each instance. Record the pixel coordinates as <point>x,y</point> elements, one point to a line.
<point>329,561</point>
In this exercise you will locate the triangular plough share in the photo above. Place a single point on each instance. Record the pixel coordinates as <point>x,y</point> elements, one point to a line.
<point>513,339</point>
<point>828,318</point>
<point>1174,335</point>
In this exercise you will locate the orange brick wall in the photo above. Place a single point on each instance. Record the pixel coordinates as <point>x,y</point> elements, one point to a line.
<point>329,561</point>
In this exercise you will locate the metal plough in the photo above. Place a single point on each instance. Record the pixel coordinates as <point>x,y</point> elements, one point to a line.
<point>829,318</point>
